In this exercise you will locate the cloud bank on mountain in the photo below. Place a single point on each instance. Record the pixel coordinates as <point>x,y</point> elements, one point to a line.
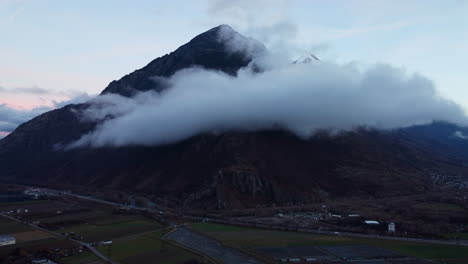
<point>301,98</point>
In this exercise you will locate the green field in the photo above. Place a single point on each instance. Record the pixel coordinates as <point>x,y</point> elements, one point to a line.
<point>257,238</point>
<point>114,228</point>
<point>8,226</point>
<point>140,249</point>
<point>463,236</point>
<point>22,203</point>
<point>439,207</point>
<point>84,258</point>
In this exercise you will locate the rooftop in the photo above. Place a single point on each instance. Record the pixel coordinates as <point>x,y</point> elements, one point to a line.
<point>6,238</point>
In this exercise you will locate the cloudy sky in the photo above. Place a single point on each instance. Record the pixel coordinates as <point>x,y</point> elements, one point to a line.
<point>54,50</point>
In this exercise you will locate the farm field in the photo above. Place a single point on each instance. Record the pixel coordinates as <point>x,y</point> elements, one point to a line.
<point>249,238</point>
<point>37,246</point>
<point>84,258</point>
<point>22,232</point>
<point>9,227</point>
<point>439,206</point>
<point>7,206</point>
<point>112,228</point>
<point>31,236</point>
<point>146,248</point>
<point>463,236</point>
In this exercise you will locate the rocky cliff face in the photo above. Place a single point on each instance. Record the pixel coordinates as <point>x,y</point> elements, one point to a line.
<point>234,170</point>
<point>220,48</point>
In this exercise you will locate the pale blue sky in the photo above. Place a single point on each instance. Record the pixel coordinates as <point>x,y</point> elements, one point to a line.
<point>69,47</point>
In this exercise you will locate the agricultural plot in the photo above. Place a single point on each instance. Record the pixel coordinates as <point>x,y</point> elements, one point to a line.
<point>145,248</point>
<point>22,232</point>
<point>31,236</point>
<point>112,229</point>
<point>361,252</point>
<point>32,205</point>
<point>256,239</point>
<point>84,258</point>
<point>36,246</point>
<point>296,252</point>
<point>9,227</point>
<point>439,207</point>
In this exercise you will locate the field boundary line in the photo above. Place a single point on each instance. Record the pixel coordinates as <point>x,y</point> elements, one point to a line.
<point>164,238</point>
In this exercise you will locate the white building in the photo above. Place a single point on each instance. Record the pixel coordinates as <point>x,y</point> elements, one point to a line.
<point>6,240</point>
<point>371,222</point>
<point>391,227</point>
<point>43,261</point>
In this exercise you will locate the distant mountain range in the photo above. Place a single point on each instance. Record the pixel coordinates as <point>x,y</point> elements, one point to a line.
<point>235,169</point>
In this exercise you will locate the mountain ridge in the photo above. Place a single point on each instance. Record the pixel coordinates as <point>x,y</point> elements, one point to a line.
<point>207,50</point>
<point>240,169</point>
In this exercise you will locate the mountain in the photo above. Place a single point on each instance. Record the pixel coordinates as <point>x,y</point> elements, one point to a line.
<point>234,169</point>
<point>210,50</point>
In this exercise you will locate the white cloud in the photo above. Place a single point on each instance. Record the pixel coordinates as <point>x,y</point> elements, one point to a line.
<point>300,98</point>
<point>10,117</point>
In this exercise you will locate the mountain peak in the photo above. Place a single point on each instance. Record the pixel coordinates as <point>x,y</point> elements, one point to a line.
<point>220,48</point>
<point>213,34</point>
<point>231,40</point>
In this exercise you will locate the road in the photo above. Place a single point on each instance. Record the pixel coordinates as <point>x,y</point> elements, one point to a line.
<point>88,246</point>
<point>209,247</point>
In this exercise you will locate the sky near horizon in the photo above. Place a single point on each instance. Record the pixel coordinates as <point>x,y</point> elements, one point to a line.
<point>54,50</point>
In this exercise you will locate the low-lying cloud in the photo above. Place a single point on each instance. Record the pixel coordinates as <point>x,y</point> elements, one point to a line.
<point>10,117</point>
<point>302,98</point>
<point>24,90</point>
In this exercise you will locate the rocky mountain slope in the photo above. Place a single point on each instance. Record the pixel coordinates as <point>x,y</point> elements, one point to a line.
<point>235,170</point>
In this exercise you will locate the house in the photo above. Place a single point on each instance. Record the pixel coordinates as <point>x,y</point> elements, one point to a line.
<point>6,240</point>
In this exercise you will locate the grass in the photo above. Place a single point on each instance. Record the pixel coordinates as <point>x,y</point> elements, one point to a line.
<point>124,227</point>
<point>439,207</point>
<point>24,202</point>
<point>144,247</point>
<point>84,258</point>
<point>256,238</point>
<point>463,236</point>
<point>8,226</point>
<point>31,236</point>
